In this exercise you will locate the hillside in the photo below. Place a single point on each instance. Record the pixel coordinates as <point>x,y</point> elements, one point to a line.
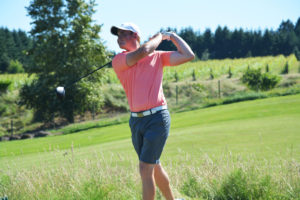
<point>189,86</point>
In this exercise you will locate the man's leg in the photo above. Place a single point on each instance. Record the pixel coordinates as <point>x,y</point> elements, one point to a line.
<point>162,181</point>
<point>147,175</point>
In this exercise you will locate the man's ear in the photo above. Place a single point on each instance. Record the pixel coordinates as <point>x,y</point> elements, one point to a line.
<point>135,35</point>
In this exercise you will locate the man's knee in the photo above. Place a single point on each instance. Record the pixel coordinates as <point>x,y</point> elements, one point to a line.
<point>158,168</point>
<point>161,174</point>
<point>146,169</point>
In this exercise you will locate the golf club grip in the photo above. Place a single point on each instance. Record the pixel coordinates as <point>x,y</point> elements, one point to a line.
<point>88,74</point>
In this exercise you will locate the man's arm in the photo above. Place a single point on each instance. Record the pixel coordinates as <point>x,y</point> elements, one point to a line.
<point>183,54</point>
<point>133,57</point>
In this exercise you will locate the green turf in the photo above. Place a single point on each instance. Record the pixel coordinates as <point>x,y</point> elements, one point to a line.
<point>247,148</point>
<point>267,128</point>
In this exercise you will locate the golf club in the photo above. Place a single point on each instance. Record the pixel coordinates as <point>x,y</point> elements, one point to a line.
<point>60,90</point>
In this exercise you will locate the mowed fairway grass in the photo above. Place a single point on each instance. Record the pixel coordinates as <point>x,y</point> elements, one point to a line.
<point>206,144</point>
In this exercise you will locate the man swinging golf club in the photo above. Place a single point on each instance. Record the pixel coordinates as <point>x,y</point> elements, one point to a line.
<point>140,71</point>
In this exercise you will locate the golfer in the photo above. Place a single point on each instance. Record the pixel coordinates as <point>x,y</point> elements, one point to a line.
<point>140,71</point>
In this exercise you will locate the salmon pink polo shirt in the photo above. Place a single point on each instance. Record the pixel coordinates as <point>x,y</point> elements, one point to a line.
<point>142,82</point>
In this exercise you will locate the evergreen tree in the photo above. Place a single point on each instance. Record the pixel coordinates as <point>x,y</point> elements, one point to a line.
<point>287,37</point>
<point>4,62</point>
<point>190,37</point>
<point>208,43</point>
<point>13,46</point>
<point>297,28</point>
<point>257,48</point>
<point>236,43</point>
<point>9,44</point>
<point>66,46</point>
<point>224,43</point>
<point>267,42</point>
<point>248,44</point>
<point>26,44</point>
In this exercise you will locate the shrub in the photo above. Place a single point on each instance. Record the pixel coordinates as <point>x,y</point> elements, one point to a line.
<point>234,186</point>
<point>252,78</point>
<point>268,81</point>
<point>15,67</point>
<point>239,185</point>
<point>4,84</point>
<point>192,188</point>
<point>258,81</point>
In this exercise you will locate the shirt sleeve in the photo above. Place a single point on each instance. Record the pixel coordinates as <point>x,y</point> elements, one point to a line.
<point>165,57</point>
<point>119,62</point>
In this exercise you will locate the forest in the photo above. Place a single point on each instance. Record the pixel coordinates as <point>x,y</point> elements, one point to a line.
<point>220,44</point>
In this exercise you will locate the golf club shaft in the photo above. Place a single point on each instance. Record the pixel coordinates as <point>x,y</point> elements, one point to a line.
<point>87,74</point>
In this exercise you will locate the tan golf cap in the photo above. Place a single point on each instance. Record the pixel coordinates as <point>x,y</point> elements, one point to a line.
<point>128,26</point>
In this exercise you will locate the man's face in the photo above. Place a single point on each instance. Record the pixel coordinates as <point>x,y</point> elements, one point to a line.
<point>125,39</point>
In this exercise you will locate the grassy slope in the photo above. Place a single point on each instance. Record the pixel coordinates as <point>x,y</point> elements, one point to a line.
<point>22,117</point>
<point>267,128</point>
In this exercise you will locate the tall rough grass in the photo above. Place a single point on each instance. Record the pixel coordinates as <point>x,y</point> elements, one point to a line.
<point>234,177</point>
<point>94,178</point>
<point>216,177</point>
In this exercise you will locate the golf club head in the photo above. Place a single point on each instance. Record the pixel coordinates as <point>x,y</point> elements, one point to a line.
<point>60,92</point>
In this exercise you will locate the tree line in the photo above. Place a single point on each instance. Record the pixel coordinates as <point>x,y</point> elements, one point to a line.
<point>224,43</point>
<point>13,47</point>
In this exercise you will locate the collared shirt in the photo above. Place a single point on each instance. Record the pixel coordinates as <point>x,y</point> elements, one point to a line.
<point>142,82</point>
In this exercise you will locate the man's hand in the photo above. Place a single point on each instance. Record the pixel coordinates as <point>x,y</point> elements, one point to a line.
<point>166,35</point>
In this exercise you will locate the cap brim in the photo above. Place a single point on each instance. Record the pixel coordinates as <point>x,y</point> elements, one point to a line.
<point>114,30</point>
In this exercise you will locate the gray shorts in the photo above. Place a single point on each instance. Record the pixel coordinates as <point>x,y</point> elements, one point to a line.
<point>149,135</point>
